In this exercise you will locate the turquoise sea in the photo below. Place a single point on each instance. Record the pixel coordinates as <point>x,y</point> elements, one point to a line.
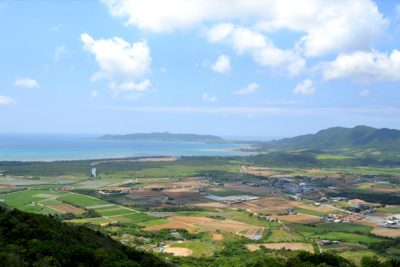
<point>21,147</point>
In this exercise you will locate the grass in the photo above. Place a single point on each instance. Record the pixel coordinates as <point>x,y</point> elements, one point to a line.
<point>348,237</point>
<point>81,200</point>
<point>114,211</point>
<point>199,248</point>
<point>333,156</point>
<point>100,220</point>
<point>356,256</point>
<point>282,235</point>
<point>138,217</point>
<point>390,209</point>
<point>21,198</point>
<point>153,222</point>
<point>345,227</point>
<point>309,212</point>
<point>243,216</point>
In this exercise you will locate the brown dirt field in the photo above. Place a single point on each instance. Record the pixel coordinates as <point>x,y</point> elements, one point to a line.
<point>260,171</point>
<point>185,222</point>
<point>299,218</point>
<point>204,224</point>
<point>178,251</point>
<point>269,205</point>
<point>367,222</point>
<point>66,208</point>
<point>290,246</point>
<point>188,183</point>
<point>387,232</point>
<point>211,205</point>
<point>218,237</point>
<point>319,208</point>
<point>7,186</point>
<point>260,191</point>
<point>180,190</point>
<point>228,226</point>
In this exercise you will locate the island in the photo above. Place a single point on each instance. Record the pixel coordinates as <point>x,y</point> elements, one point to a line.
<point>166,136</point>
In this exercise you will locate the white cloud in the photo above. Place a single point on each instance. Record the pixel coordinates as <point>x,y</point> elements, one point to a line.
<point>364,93</point>
<point>305,87</point>
<point>364,66</point>
<point>26,82</point>
<point>249,89</point>
<point>94,93</point>
<point>59,52</point>
<point>222,65</point>
<point>263,51</point>
<point>120,62</point>
<point>209,98</point>
<point>141,87</point>
<point>117,58</point>
<point>325,26</point>
<point>4,100</point>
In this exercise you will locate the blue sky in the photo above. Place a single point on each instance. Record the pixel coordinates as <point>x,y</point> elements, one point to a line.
<point>232,68</point>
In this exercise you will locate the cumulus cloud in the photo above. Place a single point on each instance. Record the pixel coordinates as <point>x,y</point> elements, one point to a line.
<point>364,66</point>
<point>208,98</point>
<point>120,62</point>
<point>249,89</point>
<point>325,26</point>
<point>26,83</point>
<point>117,58</point>
<point>222,65</point>
<point>262,50</point>
<point>4,100</point>
<point>305,87</point>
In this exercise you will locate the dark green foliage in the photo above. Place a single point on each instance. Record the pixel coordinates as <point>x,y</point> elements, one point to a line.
<point>375,197</point>
<point>37,240</point>
<point>306,259</point>
<point>376,262</point>
<point>340,137</point>
<point>392,245</point>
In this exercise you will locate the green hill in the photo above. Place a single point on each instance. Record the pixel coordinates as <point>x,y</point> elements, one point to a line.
<point>165,137</point>
<point>359,137</point>
<point>38,240</point>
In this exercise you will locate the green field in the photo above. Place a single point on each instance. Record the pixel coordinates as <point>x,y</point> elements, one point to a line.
<point>21,198</point>
<point>348,237</point>
<point>81,200</point>
<point>356,256</point>
<point>153,222</point>
<point>279,234</point>
<point>333,156</point>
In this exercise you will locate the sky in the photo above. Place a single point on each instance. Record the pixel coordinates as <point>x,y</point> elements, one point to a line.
<point>226,67</point>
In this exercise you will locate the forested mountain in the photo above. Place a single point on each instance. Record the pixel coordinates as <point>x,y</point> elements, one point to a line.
<point>335,138</point>
<point>37,240</point>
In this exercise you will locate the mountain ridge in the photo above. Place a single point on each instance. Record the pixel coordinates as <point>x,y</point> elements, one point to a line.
<point>334,138</point>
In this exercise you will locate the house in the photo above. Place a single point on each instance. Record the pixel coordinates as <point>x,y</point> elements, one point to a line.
<point>357,202</point>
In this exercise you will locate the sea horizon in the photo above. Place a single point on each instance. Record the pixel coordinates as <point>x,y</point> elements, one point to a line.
<point>63,147</point>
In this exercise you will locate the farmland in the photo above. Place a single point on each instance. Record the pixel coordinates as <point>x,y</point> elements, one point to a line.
<point>195,206</point>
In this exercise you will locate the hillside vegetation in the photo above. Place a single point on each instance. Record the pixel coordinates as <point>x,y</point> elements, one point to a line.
<point>38,240</point>
<point>359,137</point>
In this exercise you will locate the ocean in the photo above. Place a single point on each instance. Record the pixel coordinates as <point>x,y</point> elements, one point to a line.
<point>35,147</point>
